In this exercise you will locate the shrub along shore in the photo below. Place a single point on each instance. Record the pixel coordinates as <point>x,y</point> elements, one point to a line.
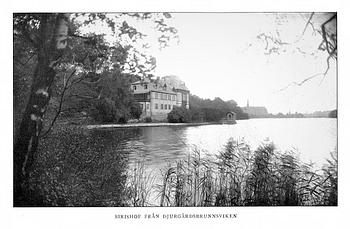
<point>154,124</point>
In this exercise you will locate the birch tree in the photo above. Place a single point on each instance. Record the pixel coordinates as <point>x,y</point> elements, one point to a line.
<point>49,38</point>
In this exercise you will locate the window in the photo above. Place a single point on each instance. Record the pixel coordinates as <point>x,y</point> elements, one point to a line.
<point>147,106</point>
<point>141,106</point>
<point>165,107</point>
<point>169,107</point>
<point>161,106</point>
<point>156,106</point>
<point>134,87</point>
<point>145,86</point>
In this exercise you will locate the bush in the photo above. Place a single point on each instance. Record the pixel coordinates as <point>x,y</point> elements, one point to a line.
<point>148,119</point>
<point>103,111</point>
<point>135,110</point>
<point>107,110</point>
<point>76,167</point>
<point>179,115</point>
<point>333,114</point>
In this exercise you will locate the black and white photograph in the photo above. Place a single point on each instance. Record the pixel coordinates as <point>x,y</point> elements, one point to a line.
<point>175,109</point>
<point>203,114</point>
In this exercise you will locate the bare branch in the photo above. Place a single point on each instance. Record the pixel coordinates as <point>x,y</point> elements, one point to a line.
<point>324,33</point>
<point>328,66</point>
<point>83,96</point>
<point>311,77</point>
<point>25,63</point>
<point>307,23</point>
<point>60,104</point>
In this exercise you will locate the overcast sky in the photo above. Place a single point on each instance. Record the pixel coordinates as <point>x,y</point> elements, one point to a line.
<point>219,55</point>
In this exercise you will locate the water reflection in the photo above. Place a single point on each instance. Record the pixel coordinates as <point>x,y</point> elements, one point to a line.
<point>157,147</point>
<point>314,139</point>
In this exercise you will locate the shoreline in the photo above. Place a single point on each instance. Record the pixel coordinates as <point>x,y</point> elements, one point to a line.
<point>160,124</point>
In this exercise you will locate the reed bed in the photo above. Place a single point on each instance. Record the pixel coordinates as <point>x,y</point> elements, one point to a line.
<point>238,176</point>
<point>139,186</point>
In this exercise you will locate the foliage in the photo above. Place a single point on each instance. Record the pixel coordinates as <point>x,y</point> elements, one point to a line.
<point>179,115</point>
<point>24,61</point>
<point>73,69</point>
<point>148,119</point>
<point>72,170</point>
<point>333,114</point>
<point>205,110</point>
<point>104,111</point>
<point>88,58</point>
<point>213,110</point>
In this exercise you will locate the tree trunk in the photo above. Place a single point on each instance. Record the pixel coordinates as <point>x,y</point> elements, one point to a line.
<point>50,47</point>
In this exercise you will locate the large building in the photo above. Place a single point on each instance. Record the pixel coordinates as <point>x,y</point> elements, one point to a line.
<point>255,112</point>
<point>159,96</point>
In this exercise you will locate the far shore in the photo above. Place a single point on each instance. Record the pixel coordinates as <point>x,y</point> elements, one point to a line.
<point>156,124</point>
<point>160,124</point>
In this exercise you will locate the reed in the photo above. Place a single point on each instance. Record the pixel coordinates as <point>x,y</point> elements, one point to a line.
<point>139,185</point>
<point>238,176</point>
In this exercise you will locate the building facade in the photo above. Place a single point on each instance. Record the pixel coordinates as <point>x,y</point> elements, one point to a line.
<point>255,112</point>
<point>158,97</point>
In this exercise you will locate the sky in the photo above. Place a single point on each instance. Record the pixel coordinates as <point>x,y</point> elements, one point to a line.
<point>220,55</point>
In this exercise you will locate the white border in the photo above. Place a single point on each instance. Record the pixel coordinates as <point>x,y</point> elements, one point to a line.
<point>255,217</point>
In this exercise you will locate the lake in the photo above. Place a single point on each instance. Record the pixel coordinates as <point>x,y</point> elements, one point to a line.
<point>312,138</point>
<point>98,163</point>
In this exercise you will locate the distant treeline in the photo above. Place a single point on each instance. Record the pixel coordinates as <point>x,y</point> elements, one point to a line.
<point>316,114</point>
<point>333,114</point>
<point>206,110</point>
<point>281,115</point>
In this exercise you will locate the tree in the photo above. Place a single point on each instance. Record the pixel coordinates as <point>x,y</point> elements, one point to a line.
<point>115,101</point>
<point>213,110</point>
<point>333,114</point>
<point>179,115</point>
<point>45,37</point>
<point>323,24</point>
<point>52,30</point>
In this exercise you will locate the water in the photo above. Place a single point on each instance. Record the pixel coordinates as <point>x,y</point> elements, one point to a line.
<point>313,139</point>
<point>104,156</point>
<point>157,147</point>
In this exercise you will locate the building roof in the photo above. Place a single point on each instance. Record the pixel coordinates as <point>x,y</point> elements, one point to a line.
<point>166,83</point>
